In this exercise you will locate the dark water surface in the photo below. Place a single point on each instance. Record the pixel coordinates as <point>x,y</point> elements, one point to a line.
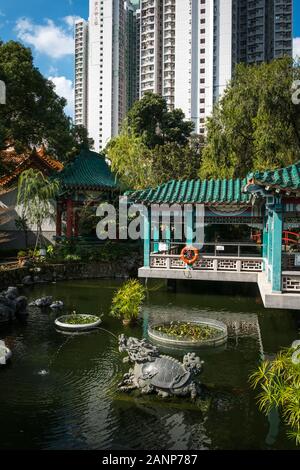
<point>59,392</point>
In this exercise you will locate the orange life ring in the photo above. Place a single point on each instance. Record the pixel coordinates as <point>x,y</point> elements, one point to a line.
<point>186,260</point>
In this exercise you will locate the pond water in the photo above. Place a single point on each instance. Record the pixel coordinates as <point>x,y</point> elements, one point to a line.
<point>59,392</point>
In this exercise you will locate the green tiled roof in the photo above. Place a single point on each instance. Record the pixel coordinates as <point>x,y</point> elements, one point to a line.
<point>194,191</point>
<point>88,170</point>
<point>288,177</point>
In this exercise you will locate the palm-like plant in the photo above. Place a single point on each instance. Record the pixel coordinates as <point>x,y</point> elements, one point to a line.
<point>279,382</point>
<point>35,194</point>
<point>127,301</point>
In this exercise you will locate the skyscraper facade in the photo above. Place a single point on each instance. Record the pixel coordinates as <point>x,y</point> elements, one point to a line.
<point>189,48</point>
<point>105,71</point>
<point>81,72</point>
<point>184,50</point>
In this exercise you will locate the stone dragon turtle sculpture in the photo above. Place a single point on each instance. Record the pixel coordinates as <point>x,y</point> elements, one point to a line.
<point>153,372</point>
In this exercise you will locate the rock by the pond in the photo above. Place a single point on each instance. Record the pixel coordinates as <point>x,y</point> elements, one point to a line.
<point>21,305</point>
<point>27,281</point>
<point>42,302</point>
<point>57,304</point>
<point>6,301</point>
<point>12,304</point>
<point>12,293</point>
<point>5,353</point>
<point>6,313</point>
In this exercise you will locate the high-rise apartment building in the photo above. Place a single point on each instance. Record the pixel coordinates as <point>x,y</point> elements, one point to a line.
<point>105,70</point>
<point>189,48</point>
<point>132,53</point>
<point>81,72</point>
<point>185,50</point>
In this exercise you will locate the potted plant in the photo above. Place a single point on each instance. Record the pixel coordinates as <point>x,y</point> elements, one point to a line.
<point>127,301</point>
<point>21,257</point>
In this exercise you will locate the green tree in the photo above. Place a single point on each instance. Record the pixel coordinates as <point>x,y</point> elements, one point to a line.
<point>139,167</point>
<point>172,161</point>
<point>36,194</point>
<point>150,119</point>
<point>255,125</point>
<point>131,160</point>
<point>33,114</point>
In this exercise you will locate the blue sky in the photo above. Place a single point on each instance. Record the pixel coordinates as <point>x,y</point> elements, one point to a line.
<point>47,27</point>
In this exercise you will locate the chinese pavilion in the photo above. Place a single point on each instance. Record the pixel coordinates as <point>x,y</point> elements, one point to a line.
<point>86,178</point>
<point>266,205</point>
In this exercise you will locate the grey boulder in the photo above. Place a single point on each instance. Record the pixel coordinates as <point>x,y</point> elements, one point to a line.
<point>5,353</point>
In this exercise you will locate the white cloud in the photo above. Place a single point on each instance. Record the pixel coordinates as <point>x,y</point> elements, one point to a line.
<point>296,47</point>
<point>64,88</point>
<point>70,20</point>
<point>47,39</point>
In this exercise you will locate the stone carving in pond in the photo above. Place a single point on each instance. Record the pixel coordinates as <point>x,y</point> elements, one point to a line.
<point>153,372</point>
<point>5,353</point>
<point>58,304</point>
<point>42,302</point>
<point>12,305</point>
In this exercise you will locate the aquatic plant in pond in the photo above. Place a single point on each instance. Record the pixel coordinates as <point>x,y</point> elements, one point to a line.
<point>75,322</point>
<point>279,381</point>
<point>188,330</point>
<point>75,319</point>
<point>128,300</point>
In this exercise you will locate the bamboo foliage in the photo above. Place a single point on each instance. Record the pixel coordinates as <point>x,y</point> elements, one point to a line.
<point>279,383</point>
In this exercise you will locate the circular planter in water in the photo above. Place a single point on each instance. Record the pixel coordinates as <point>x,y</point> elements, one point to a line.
<point>77,322</point>
<point>200,333</point>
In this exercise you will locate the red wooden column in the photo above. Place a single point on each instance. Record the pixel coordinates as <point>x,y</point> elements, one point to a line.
<point>76,224</point>
<point>58,219</point>
<point>69,218</point>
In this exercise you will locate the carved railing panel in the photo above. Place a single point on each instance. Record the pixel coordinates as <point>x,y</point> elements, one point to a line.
<point>291,283</point>
<point>227,264</point>
<point>208,263</point>
<point>254,265</point>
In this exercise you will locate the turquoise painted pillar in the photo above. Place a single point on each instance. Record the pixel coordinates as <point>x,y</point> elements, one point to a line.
<point>265,244</point>
<point>156,237</point>
<point>277,248</point>
<point>270,242</point>
<point>189,217</point>
<point>168,236</point>
<point>147,238</point>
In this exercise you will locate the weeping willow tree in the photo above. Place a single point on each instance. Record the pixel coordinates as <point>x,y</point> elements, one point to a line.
<point>36,194</point>
<point>279,383</point>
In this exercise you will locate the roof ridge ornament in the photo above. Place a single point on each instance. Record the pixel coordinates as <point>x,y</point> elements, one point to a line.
<point>255,189</point>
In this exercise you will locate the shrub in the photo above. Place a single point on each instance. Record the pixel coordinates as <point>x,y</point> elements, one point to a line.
<point>50,250</point>
<point>128,300</point>
<point>279,381</point>
<point>72,258</point>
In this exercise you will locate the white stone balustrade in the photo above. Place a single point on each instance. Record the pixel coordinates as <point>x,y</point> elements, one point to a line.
<point>209,263</point>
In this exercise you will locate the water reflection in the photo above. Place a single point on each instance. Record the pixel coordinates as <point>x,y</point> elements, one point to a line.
<point>76,405</point>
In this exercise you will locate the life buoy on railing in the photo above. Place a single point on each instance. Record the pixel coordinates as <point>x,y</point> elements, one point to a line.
<point>187,257</point>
